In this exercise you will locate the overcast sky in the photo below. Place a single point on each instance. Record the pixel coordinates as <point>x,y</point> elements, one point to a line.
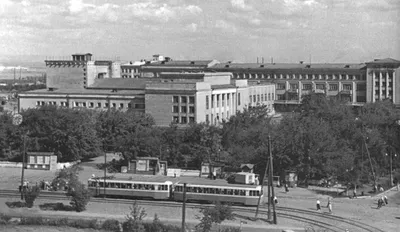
<point>236,30</point>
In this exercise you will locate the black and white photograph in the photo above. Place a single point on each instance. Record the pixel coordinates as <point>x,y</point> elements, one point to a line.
<point>200,115</point>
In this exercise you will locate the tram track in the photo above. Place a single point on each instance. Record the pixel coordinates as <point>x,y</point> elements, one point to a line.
<point>327,222</point>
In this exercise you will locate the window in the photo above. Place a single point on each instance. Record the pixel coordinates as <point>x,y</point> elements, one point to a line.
<point>281,97</point>
<point>207,102</point>
<point>139,106</point>
<point>183,120</point>
<point>121,105</point>
<point>333,87</point>
<point>269,97</point>
<point>254,98</point>
<point>280,86</point>
<point>175,119</point>
<point>361,87</point>
<point>294,86</point>
<point>129,105</point>
<point>175,109</point>
<point>227,99</point>
<point>84,104</point>
<point>191,100</point>
<point>114,105</point>
<point>222,116</point>
<point>307,86</point>
<point>262,97</point>
<point>191,119</point>
<point>250,98</point>
<point>239,99</point>
<point>175,99</point>
<point>191,109</point>
<point>207,118</point>
<point>91,104</point>
<point>212,101</point>
<point>347,87</point>
<point>218,100</point>
<point>38,103</point>
<point>76,104</point>
<point>183,109</point>
<point>320,86</point>
<point>184,99</point>
<point>223,99</point>
<point>98,104</point>
<point>258,98</point>
<point>106,105</point>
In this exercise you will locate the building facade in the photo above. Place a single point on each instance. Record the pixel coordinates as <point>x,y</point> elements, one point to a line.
<point>183,98</point>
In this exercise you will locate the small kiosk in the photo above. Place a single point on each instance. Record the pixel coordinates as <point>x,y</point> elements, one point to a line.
<point>41,160</point>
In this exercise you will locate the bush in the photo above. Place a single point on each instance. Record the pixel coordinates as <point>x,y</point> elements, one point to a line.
<point>84,224</point>
<point>30,195</point>
<point>16,204</point>
<point>134,220</point>
<point>4,219</point>
<point>111,225</point>
<point>80,196</point>
<point>58,222</point>
<point>56,207</point>
<point>230,229</point>
<point>32,221</point>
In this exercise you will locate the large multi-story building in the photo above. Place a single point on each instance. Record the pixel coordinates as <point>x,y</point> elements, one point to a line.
<point>355,83</point>
<point>172,97</point>
<point>80,72</point>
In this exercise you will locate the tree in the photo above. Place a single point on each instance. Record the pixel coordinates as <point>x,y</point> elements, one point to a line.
<point>134,220</point>
<point>69,133</point>
<point>30,195</point>
<point>214,215</point>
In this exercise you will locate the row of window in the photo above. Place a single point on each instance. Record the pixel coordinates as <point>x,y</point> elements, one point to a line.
<point>183,119</point>
<point>332,87</point>
<point>217,118</point>
<point>219,100</point>
<point>221,191</point>
<point>127,185</point>
<point>300,76</point>
<point>183,99</point>
<point>261,97</point>
<point>92,104</point>
<point>183,109</point>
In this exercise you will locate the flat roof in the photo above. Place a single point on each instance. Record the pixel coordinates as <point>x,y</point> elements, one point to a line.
<point>288,66</point>
<point>119,83</point>
<point>83,92</point>
<point>180,63</point>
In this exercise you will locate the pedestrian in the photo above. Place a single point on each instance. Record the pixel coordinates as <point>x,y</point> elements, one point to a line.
<point>355,192</point>
<point>330,206</point>
<point>286,188</point>
<point>318,205</point>
<point>385,199</point>
<point>275,200</point>
<point>380,202</point>
<point>329,201</point>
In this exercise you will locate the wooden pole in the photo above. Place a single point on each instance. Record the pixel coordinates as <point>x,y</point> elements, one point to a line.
<point>262,188</point>
<point>271,169</point>
<point>105,173</point>
<point>184,207</point>
<point>23,167</point>
<point>269,184</point>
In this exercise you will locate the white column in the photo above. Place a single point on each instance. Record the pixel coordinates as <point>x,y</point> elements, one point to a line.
<point>380,85</point>
<point>393,87</point>
<point>387,84</point>
<point>373,86</point>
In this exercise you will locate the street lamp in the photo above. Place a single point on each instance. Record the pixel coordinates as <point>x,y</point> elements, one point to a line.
<point>17,120</point>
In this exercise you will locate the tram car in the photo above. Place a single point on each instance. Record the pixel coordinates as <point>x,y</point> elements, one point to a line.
<point>157,190</point>
<point>236,194</point>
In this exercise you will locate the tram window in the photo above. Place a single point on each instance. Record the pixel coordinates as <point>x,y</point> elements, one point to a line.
<point>123,185</point>
<point>117,185</point>
<point>152,187</point>
<point>242,193</point>
<point>135,186</point>
<point>258,193</point>
<point>251,193</point>
<point>129,186</point>
<point>225,191</point>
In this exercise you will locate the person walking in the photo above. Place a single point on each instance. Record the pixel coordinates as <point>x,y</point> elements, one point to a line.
<point>286,188</point>
<point>318,205</point>
<point>329,205</point>
<point>385,199</point>
<point>355,192</point>
<point>380,202</point>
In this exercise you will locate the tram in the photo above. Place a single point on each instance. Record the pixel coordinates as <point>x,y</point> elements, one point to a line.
<point>157,190</point>
<point>239,194</point>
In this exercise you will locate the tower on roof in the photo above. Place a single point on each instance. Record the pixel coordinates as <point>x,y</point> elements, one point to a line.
<point>82,57</point>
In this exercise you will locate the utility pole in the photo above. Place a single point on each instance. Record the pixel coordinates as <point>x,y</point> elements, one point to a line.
<point>269,181</point>
<point>184,207</point>
<point>23,167</point>
<point>105,173</point>
<point>271,170</point>
<point>262,187</point>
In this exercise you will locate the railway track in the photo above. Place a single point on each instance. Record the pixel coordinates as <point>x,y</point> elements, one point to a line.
<point>317,220</point>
